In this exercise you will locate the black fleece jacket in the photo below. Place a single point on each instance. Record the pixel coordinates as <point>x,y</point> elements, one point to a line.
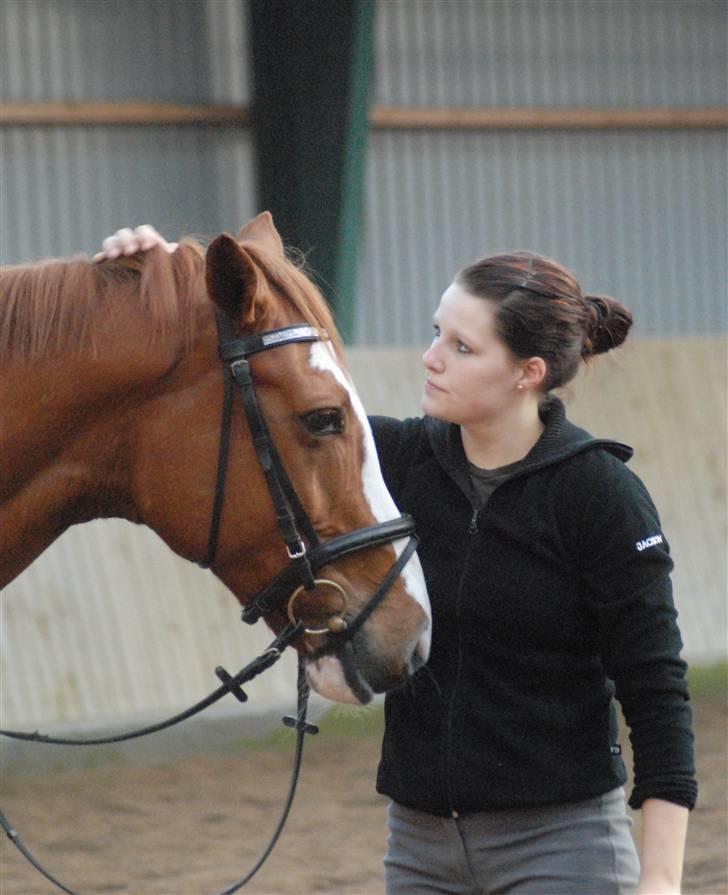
<point>546,603</point>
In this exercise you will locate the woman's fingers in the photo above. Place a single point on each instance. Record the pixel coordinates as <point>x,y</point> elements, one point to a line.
<point>128,242</point>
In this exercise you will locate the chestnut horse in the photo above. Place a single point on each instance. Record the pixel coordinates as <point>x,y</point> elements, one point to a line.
<point>111,388</point>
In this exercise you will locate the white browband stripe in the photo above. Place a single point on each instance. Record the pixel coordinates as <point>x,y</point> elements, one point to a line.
<point>290,334</point>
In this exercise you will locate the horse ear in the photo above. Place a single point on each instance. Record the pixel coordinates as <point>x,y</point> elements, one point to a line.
<point>262,229</point>
<point>231,277</point>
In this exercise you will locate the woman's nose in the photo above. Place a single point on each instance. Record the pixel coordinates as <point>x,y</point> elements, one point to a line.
<point>431,357</point>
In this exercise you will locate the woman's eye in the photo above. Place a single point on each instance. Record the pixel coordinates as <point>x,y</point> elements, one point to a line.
<point>324,422</point>
<point>462,348</point>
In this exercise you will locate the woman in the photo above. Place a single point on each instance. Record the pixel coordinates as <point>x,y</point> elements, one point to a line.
<point>549,580</point>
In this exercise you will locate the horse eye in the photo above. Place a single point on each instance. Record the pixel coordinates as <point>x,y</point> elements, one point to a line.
<point>324,422</point>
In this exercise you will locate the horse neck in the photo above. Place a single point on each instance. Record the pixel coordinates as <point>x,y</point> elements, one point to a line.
<point>64,429</point>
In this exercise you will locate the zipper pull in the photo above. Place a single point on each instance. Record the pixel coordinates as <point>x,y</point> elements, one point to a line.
<point>473,529</point>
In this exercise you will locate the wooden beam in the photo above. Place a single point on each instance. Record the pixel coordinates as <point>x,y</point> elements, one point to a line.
<point>380,117</point>
<point>527,118</point>
<point>128,113</point>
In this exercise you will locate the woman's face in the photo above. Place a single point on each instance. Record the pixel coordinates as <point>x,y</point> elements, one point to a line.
<point>471,376</point>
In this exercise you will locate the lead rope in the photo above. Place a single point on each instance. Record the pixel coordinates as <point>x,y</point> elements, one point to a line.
<point>301,726</point>
<point>18,843</point>
<point>231,683</point>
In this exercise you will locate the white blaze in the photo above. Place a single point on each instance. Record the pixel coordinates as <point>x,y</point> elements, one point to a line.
<point>378,497</point>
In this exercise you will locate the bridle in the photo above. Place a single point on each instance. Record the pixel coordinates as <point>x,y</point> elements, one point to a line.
<point>306,553</point>
<point>305,550</point>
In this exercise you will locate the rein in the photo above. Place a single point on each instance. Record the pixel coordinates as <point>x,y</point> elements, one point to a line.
<point>306,553</point>
<point>297,722</point>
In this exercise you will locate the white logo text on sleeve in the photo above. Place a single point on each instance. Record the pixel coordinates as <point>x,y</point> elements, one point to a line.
<point>648,542</point>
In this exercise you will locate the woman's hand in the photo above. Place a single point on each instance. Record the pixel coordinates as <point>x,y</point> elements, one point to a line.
<point>129,242</point>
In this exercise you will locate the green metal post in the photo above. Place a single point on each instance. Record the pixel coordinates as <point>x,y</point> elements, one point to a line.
<point>312,71</point>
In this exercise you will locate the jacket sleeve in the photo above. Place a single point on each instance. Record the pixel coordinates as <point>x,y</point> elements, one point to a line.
<point>626,564</point>
<point>389,435</point>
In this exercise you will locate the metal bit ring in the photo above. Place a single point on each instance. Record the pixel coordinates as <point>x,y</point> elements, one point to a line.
<point>337,623</point>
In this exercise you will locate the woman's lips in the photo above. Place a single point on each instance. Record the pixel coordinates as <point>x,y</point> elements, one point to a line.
<point>431,387</point>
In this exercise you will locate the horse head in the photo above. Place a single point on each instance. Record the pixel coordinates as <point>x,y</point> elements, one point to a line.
<point>113,398</point>
<point>322,441</point>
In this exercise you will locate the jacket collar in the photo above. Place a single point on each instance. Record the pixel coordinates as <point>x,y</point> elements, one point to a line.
<point>559,440</point>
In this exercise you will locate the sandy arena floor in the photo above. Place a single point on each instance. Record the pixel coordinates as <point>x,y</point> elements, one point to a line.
<point>195,826</point>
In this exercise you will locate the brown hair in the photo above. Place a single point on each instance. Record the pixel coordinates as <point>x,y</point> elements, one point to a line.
<point>541,312</point>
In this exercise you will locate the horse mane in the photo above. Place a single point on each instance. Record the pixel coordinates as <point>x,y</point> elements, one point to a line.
<point>48,308</point>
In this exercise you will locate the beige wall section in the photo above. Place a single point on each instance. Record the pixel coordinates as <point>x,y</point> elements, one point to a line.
<point>666,398</point>
<point>108,623</point>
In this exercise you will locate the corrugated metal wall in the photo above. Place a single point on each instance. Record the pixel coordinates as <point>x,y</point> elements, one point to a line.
<point>638,214</point>
<point>641,215</point>
<point>64,188</point>
<point>551,52</point>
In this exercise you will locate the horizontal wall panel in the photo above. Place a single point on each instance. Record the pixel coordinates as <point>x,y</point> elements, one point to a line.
<point>429,52</point>
<point>108,623</point>
<point>62,190</point>
<point>641,216</point>
<point>191,51</point>
<point>551,52</point>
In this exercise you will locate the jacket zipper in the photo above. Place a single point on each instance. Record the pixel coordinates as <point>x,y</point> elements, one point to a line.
<point>472,530</point>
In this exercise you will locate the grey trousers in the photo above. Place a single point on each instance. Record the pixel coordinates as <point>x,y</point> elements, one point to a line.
<point>581,848</point>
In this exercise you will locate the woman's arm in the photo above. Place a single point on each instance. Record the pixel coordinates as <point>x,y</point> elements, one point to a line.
<point>664,828</point>
<point>628,569</point>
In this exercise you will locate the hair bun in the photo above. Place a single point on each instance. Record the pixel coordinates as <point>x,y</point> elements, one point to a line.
<point>607,324</point>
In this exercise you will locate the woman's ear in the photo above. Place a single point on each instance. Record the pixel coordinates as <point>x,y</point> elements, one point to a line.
<point>533,373</point>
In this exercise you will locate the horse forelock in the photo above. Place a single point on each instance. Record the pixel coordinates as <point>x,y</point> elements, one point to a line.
<point>288,278</point>
<point>51,306</point>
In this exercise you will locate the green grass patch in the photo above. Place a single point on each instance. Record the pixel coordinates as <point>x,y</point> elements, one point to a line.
<point>350,721</point>
<point>708,681</point>
<point>338,721</point>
